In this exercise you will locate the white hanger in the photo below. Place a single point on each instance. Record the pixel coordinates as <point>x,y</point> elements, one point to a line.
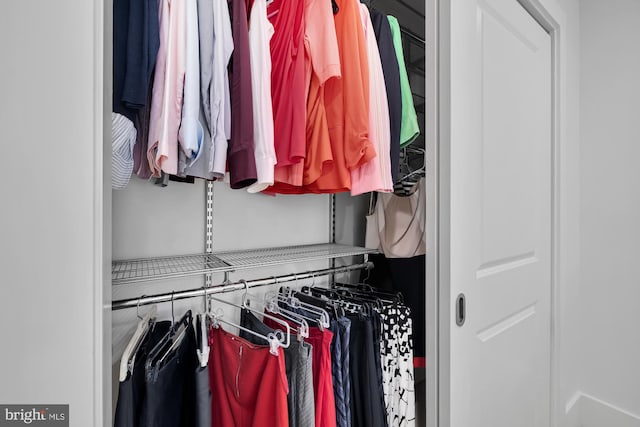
<point>129,355</point>
<point>201,319</point>
<point>273,338</point>
<point>285,325</point>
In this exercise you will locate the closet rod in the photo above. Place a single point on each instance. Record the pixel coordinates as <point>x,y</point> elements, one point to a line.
<point>235,286</point>
<point>407,32</point>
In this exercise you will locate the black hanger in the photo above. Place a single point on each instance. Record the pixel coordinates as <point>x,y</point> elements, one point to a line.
<point>362,288</point>
<point>169,342</point>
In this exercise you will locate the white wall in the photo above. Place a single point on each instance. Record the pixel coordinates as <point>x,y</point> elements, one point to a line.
<point>51,206</point>
<point>610,222</point>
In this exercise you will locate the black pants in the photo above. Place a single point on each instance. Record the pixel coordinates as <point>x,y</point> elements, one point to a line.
<point>171,389</point>
<point>367,401</point>
<point>132,391</point>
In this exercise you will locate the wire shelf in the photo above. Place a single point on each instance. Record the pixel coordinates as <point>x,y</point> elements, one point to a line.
<point>148,269</point>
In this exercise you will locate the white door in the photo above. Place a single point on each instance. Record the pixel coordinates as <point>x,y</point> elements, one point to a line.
<point>500,213</point>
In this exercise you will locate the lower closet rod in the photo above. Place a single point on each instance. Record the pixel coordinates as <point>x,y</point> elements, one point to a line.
<point>235,286</point>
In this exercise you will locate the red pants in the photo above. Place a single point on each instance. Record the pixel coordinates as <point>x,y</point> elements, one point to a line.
<point>248,383</point>
<point>322,379</point>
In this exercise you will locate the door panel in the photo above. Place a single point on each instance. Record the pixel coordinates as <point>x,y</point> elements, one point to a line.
<point>500,231</point>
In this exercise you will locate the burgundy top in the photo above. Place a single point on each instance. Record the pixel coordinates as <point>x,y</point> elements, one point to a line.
<point>240,155</point>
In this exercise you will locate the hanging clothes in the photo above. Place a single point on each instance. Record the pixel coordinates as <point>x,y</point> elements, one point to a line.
<point>123,140</point>
<point>340,360</point>
<point>248,383</point>
<point>409,129</point>
<point>298,366</point>
<point>391,72</point>
<point>320,341</point>
<point>376,174</point>
<point>170,388</point>
<point>347,103</point>
<point>166,105</point>
<point>321,62</point>
<point>397,365</point>
<point>201,167</point>
<point>132,391</point>
<point>397,225</point>
<point>240,154</point>
<point>191,133</point>
<point>219,92</point>
<point>287,80</point>
<point>260,33</point>
<point>366,381</point>
<point>136,38</point>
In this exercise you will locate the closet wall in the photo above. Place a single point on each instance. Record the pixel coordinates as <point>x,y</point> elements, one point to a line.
<point>610,132</point>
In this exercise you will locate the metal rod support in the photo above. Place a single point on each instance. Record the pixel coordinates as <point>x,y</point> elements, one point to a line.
<point>235,286</point>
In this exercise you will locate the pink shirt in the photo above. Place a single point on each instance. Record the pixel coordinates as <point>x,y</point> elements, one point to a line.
<point>375,175</point>
<point>168,85</point>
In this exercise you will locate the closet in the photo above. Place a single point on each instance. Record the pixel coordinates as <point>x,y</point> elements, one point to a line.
<point>62,225</point>
<point>173,244</point>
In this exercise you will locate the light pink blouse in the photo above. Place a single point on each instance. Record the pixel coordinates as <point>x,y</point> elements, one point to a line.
<point>168,85</point>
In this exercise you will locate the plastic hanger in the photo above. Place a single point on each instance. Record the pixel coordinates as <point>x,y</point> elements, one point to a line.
<point>270,304</point>
<point>202,338</point>
<point>273,338</point>
<point>169,341</point>
<point>144,326</point>
<point>295,299</point>
<point>363,289</point>
<point>298,319</point>
<point>286,331</point>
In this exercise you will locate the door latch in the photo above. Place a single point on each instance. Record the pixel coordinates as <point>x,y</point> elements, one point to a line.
<point>461,310</point>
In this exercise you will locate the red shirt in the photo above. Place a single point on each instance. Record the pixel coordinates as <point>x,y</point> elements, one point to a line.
<point>287,80</point>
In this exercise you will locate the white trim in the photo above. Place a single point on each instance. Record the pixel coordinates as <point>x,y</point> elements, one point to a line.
<point>553,20</point>
<point>438,264</point>
<point>594,412</point>
<point>102,16</point>
<point>431,160</point>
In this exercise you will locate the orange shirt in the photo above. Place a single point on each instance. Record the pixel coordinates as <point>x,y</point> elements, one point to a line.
<point>346,106</point>
<point>347,103</point>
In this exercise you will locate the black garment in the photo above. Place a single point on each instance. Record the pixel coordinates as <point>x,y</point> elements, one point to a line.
<point>376,325</point>
<point>136,39</point>
<point>171,389</point>
<point>367,409</point>
<point>408,275</point>
<point>131,391</point>
<point>391,72</point>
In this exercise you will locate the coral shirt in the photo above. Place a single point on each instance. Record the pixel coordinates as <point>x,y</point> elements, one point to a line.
<point>347,103</point>
<point>322,62</point>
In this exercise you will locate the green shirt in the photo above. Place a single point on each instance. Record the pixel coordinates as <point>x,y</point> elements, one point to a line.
<point>409,129</point>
